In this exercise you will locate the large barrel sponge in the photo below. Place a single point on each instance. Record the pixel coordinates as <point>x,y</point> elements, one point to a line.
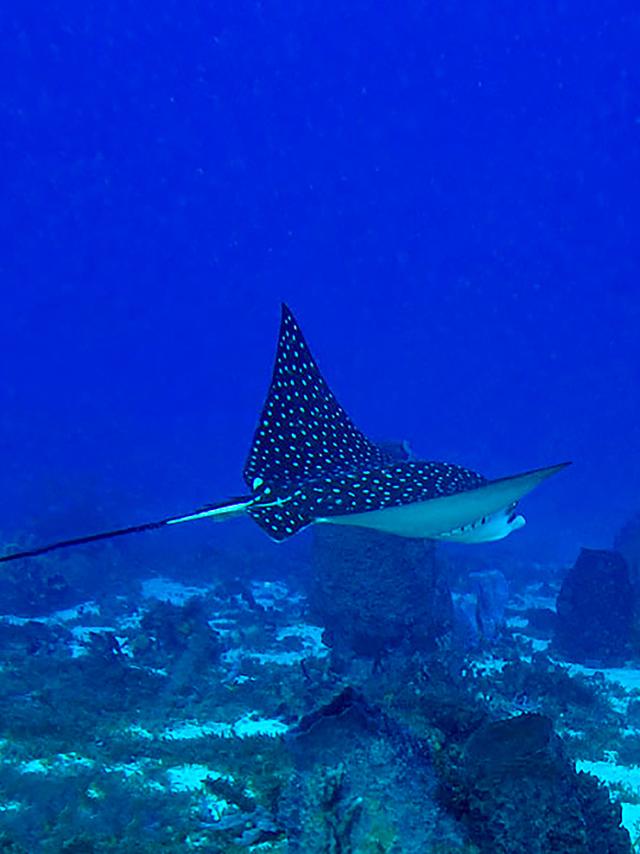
<point>374,592</point>
<point>517,791</point>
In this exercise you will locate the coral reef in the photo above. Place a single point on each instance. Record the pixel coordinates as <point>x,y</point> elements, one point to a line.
<point>215,718</point>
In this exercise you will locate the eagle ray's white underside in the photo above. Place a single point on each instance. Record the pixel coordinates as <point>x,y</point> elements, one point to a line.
<point>457,517</point>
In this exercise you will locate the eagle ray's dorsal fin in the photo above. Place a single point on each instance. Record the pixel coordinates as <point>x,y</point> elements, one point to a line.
<point>303,431</point>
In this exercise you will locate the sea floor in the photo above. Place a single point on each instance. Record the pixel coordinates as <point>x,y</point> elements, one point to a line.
<point>159,722</point>
<point>606,745</point>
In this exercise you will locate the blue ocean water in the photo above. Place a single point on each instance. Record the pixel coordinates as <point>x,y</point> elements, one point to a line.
<point>446,195</point>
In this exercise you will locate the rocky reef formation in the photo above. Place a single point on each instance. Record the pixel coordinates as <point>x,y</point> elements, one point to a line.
<point>595,609</point>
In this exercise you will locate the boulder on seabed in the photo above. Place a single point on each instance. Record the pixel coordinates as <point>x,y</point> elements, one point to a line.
<point>595,609</point>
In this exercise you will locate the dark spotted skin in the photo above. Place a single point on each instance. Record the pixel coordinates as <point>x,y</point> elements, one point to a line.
<point>308,459</point>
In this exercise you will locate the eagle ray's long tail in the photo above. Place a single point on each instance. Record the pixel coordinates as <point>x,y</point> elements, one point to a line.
<point>224,510</point>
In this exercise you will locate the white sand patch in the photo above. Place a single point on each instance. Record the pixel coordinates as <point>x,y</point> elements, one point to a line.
<point>610,772</point>
<point>539,645</point>
<point>12,620</point>
<point>628,677</point>
<point>487,666</point>
<point>631,819</point>
<point>57,617</point>
<point>223,625</point>
<point>517,622</point>
<point>131,621</point>
<point>188,778</point>
<point>534,597</point>
<point>137,773</point>
<point>571,733</point>
<point>179,778</point>
<point>83,633</point>
<point>248,726</point>
<point>76,613</point>
<point>192,729</point>
<point>82,637</point>
<point>310,635</point>
<point>625,776</point>
<point>191,778</point>
<point>140,732</point>
<point>130,769</point>
<point>167,590</point>
<point>273,594</point>
<point>56,764</point>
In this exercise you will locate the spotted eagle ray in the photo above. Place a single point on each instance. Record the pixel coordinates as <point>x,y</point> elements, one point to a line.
<point>309,464</point>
